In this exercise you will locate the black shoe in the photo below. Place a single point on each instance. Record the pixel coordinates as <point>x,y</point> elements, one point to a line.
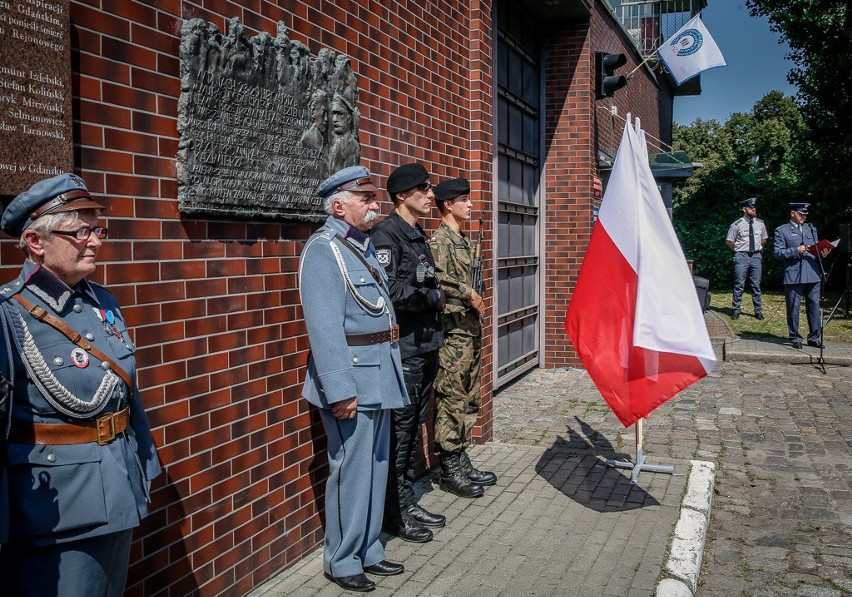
<point>426,518</point>
<point>797,345</point>
<point>735,315</point>
<point>759,316</point>
<point>452,478</point>
<point>385,568</point>
<point>357,582</point>
<point>815,344</point>
<point>406,528</point>
<point>479,477</point>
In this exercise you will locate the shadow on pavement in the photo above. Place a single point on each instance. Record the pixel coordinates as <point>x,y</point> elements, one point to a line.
<point>575,466</point>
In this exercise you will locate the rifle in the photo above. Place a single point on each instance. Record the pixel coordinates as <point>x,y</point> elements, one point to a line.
<point>478,284</point>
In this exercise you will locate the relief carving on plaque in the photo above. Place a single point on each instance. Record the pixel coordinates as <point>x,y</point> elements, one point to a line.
<point>261,121</point>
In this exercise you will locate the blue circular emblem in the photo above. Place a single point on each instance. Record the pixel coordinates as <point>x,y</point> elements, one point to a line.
<point>688,42</point>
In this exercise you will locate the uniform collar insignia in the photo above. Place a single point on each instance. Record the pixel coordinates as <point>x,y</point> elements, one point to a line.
<point>53,291</point>
<point>358,238</point>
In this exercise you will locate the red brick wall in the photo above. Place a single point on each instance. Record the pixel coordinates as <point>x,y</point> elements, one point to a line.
<point>214,304</point>
<point>577,126</point>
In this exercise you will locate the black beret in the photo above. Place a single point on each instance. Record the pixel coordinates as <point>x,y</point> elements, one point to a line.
<point>64,192</point>
<point>450,189</point>
<point>406,177</point>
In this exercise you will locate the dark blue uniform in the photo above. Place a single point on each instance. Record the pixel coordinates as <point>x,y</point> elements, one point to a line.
<point>801,278</point>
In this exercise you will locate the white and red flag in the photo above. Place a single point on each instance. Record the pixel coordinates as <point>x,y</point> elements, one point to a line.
<point>634,317</point>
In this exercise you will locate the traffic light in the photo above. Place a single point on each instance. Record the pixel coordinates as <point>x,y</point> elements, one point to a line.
<point>606,81</point>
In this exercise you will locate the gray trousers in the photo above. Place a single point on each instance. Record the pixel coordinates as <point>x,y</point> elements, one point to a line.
<point>355,493</point>
<point>747,266</point>
<point>793,294</point>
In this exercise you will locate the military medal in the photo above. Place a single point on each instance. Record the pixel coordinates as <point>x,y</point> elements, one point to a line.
<point>80,358</point>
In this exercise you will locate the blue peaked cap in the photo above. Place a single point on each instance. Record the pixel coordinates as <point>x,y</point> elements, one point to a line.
<point>64,192</point>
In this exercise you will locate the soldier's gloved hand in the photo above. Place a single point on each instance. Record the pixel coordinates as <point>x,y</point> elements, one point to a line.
<point>436,299</point>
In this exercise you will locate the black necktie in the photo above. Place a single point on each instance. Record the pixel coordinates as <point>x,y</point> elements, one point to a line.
<point>751,235</point>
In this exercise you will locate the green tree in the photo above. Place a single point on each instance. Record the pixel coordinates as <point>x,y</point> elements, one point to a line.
<point>819,35</point>
<point>750,155</point>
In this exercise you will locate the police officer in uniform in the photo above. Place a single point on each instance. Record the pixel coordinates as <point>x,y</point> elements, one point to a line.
<point>79,453</point>
<point>403,249</point>
<point>801,274</point>
<point>457,386</point>
<point>746,236</point>
<point>354,375</point>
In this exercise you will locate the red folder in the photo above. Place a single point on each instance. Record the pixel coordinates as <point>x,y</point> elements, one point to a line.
<point>822,246</point>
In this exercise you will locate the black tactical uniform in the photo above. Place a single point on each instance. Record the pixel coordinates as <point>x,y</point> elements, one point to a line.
<point>403,251</point>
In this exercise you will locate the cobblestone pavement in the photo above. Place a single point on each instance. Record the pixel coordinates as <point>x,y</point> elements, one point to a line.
<point>781,439</point>
<point>557,523</point>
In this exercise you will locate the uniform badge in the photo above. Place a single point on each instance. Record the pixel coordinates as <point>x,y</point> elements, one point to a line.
<point>80,358</point>
<point>384,257</point>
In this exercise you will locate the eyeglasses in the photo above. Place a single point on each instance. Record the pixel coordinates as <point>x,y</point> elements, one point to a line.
<point>424,186</point>
<point>83,233</point>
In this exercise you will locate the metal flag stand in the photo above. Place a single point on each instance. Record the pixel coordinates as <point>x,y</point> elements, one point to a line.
<point>640,464</point>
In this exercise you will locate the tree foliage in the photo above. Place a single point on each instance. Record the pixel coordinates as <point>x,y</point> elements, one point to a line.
<point>753,154</point>
<point>819,35</point>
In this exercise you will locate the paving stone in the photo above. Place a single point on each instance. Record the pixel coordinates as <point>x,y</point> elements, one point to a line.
<point>781,520</point>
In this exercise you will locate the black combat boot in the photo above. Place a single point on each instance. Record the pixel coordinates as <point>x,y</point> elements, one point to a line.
<point>480,477</point>
<point>452,478</point>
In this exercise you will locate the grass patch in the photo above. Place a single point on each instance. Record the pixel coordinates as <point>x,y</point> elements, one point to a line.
<point>839,329</point>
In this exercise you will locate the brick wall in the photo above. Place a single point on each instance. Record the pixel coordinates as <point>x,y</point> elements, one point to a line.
<point>214,304</point>
<point>577,126</point>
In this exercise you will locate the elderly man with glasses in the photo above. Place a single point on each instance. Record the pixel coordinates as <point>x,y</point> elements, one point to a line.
<point>403,250</point>
<point>78,451</point>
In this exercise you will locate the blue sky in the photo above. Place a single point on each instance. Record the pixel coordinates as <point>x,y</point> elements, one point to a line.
<point>756,65</point>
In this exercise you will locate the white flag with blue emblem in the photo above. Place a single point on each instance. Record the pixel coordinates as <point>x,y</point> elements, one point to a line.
<point>690,51</point>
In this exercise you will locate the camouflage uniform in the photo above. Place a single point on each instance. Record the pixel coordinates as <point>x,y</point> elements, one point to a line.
<point>457,391</point>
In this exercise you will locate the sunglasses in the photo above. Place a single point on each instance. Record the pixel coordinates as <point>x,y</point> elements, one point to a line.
<point>424,186</point>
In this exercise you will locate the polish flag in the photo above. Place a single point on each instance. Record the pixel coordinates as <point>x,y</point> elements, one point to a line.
<point>634,317</point>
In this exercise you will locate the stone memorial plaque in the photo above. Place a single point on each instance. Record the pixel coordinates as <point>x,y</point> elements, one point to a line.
<point>262,122</point>
<point>35,92</point>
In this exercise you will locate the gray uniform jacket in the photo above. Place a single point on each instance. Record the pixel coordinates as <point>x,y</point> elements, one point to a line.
<point>798,269</point>
<point>58,493</point>
<point>340,296</point>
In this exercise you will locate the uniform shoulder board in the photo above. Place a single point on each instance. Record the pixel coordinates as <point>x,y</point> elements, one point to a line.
<point>7,290</point>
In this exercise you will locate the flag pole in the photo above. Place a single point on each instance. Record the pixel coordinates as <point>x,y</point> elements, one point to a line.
<point>639,465</point>
<point>638,66</point>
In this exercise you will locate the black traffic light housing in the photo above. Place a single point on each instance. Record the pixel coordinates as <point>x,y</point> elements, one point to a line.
<point>606,81</point>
